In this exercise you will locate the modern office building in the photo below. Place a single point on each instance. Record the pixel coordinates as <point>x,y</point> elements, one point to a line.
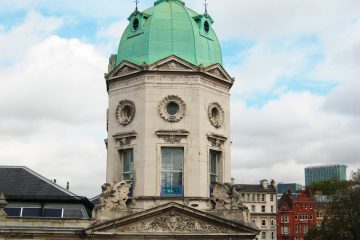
<point>325,172</point>
<point>284,187</point>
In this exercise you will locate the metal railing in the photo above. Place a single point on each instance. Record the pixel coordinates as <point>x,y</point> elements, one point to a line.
<point>172,190</point>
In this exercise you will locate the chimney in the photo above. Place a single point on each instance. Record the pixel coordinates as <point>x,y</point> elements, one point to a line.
<point>273,183</point>
<point>67,186</point>
<point>54,180</point>
<point>264,184</point>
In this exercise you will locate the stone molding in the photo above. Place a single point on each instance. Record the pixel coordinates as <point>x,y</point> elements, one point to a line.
<point>181,108</point>
<point>216,140</point>
<point>125,138</point>
<point>172,136</point>
<point>125,112</point>
<point>169,64</point>
<point>175,220</point>
<point>172,222</point>
<point>216,114</point>
<point>123,69</point>
<point>216,72</point>
<point>173,66</point>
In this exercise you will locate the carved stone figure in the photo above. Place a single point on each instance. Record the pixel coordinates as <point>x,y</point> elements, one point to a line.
<point>3,204</point>
<point>172,222</point>
<point>221,196</point>
<point>104,200</point>
<point>226,197</point>
<point>113,197</point>
<point>237,199</point>
<point>120,195</point>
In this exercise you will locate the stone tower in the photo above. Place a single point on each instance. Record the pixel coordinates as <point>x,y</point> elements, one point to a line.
<point>169,119</point>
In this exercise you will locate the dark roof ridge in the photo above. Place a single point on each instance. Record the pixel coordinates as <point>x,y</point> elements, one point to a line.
<point>42,178</point>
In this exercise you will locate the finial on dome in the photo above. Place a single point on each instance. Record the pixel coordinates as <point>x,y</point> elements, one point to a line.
<point>206,5</point>
<point>136,5</point>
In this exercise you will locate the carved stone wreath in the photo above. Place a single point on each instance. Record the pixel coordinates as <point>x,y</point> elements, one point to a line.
<point>125,112</point>
<point>216,114</point>
<point>172,108</point>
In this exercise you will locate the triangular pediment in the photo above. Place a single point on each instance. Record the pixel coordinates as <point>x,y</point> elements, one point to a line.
<point>123,69</point>
<point>219,72</point>
<point>171,219</point>
<point>172,63</point>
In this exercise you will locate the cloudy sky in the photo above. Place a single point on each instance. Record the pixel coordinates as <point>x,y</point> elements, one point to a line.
<point>296,100</point>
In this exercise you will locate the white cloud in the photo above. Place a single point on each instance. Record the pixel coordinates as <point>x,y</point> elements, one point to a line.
<point>279,18</point>
<point>52,113</point>
<point>295,130</point>
<point>263,67</point>
<point>16,41</point>
<point>110,36</point>
<point>53,101</point>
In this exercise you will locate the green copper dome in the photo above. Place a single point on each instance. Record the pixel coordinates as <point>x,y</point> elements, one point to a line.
<point>169,28</point>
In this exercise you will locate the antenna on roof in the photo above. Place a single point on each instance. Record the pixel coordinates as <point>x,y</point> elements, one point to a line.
<point>206,5</point>
<point>136,4</point>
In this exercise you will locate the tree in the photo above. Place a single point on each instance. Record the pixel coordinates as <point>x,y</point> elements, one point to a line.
<point>329,187</point>
<point>342,219</point>
<point>355,176</point>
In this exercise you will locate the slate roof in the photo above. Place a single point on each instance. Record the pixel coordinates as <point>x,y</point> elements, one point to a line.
<point>23,182</point>
<point>255,188</point>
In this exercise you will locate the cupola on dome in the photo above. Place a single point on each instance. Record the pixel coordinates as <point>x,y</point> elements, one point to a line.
<point>169,28</point>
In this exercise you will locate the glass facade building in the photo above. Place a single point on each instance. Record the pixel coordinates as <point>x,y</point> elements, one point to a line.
<point>284,187</point>
<point>324,173</point>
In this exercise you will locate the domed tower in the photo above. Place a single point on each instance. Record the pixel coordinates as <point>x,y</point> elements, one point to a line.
<point>168,115</point>
<point>169,119</point>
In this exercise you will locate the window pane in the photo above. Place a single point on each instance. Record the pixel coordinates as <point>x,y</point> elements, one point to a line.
<point>171,178</point>
<point>177,159</point>
<point>127,177</point>
<point>213,162</point>
<point>13,212</point>
<point>73,213</point>
<point>172,159</point>
<point>127,158</point>
<point>172,170</point>
<point>166,158</point>
<point>213,178</point>
<point>52,212</point>
<point>32,212</point>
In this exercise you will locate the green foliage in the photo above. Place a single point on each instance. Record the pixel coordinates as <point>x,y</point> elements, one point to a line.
<point>355,177</point>
<point>342,219</point>
<point>329,187</point>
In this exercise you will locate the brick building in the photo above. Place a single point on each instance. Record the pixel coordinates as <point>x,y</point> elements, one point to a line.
<point>296,215</point>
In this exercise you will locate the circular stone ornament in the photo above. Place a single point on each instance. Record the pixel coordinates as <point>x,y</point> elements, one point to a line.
<point>216,114</point>
<point>172,108</point>
<point>125,112</point>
